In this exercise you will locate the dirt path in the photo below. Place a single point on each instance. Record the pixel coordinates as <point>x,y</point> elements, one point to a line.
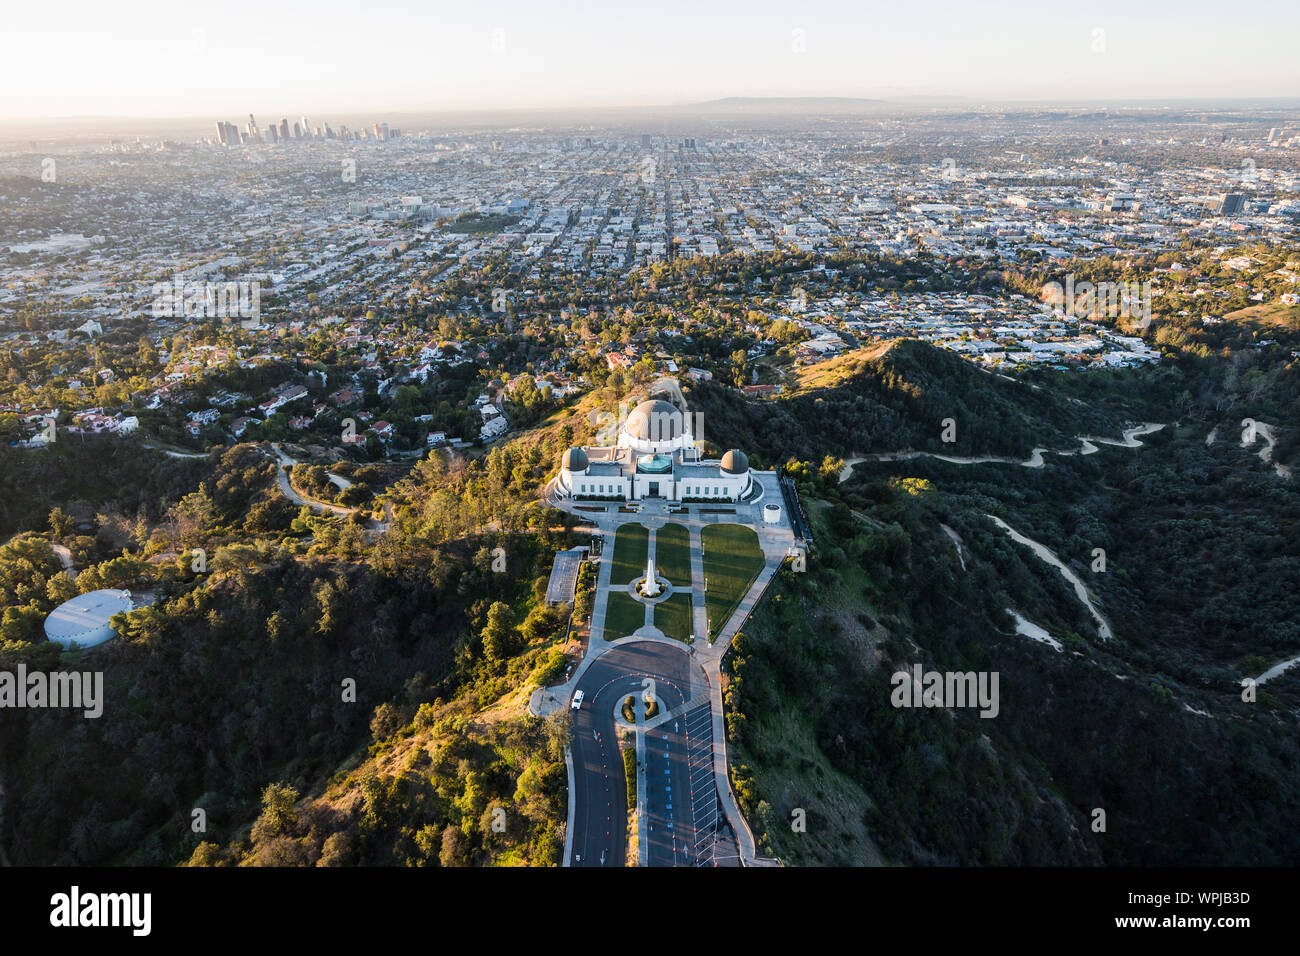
<point>1254,430</point>
<point>1087,446</point>
<point>1047,555</point>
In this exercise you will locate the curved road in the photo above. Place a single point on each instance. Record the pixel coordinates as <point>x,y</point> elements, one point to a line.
<point>600,788</point>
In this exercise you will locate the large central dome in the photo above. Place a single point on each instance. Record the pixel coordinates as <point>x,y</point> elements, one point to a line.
<point>655,421</point>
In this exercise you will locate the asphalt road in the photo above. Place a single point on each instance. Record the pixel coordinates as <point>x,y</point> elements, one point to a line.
<point>600,788</point>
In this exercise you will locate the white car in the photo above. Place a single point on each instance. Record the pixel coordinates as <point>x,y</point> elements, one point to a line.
<point>577,701</point>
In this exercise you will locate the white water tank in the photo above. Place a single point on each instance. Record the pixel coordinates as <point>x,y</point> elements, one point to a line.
<point>83,620</point>
<point>771,514</point>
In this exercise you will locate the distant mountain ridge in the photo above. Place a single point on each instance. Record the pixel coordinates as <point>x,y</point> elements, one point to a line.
<point>785,104</point>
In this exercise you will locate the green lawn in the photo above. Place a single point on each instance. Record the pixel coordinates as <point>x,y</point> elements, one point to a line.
<point>732,560</point>
<point>623,615</point>
<point>673,554</point>
<point>631,548</point>
<point>674,616</point>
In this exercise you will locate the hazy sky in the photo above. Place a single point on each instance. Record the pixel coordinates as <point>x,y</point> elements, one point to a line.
<point>159,58</point>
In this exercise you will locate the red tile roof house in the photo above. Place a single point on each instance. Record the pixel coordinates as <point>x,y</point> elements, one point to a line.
<point>95,424</point>
<point>199,419</point>
<point>383,429</point>
<point>290,394</point>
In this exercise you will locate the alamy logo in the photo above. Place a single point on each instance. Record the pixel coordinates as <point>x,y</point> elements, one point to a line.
<point>74,908</point>
<point>182,299</point>
<point>20,689</point>
<point>947,689</point>
<point>1129,300</point>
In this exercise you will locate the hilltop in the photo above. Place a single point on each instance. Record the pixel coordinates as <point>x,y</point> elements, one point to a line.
<point>1193,534</point>
<point>897,396</point>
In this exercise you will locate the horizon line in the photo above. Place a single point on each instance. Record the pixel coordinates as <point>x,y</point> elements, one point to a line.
<point>905,100</point>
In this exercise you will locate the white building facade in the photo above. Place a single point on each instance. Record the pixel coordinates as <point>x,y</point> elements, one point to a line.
<point>656,456</point>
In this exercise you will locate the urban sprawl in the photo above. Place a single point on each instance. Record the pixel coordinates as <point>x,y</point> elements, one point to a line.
<point>427,287</point>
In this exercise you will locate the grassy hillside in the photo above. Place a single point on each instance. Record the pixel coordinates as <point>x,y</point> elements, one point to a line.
<point>896,397</point>
<point>1200,586</point>
<point>365,692</point>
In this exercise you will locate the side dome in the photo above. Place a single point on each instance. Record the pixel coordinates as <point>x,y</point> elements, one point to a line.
<point>656,421</point>
<point>575,459</point>
<point>735,462</point>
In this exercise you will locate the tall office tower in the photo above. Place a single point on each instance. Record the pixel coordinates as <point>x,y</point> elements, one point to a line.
<point>384,128</point>
<point>284,128</point>
<point>272,134</point>
<point>297,130</point>
<point>376,129</point>
<point>589,142</point>
<point>1273,134</point>
<point>394,134</point>
<point>306,130</point>
<point>252,127</point>
<point>221,132</point>
<point>1229,204</point>
<point>645,140</point>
